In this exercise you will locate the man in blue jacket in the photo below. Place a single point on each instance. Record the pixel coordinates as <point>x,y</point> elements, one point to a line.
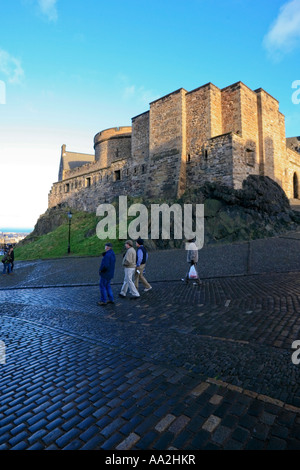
<point>106,271</point>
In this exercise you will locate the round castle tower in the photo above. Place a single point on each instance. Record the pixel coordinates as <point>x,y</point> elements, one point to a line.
<point>112,145</point>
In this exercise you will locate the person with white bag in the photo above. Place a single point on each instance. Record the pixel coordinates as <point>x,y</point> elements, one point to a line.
<point>192,259</point>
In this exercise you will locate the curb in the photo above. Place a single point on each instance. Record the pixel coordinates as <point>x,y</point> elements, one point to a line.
<point>258,396</point>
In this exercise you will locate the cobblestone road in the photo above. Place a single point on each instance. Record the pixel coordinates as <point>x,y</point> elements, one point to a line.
<point>183,367</point>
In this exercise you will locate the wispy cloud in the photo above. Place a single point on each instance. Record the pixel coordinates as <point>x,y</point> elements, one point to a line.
<point>44,8</point>
<point>138,94</point>
<point>48,9</point>
<point>284,35</point>
<point>10,68</point>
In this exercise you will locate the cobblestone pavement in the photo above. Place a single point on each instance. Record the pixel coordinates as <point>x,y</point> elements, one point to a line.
<point>184,367</point>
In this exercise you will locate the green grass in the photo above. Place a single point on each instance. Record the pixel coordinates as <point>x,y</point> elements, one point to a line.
<point>55,244</point>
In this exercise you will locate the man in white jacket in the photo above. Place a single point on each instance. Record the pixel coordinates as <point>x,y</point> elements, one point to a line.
<point>129,263</point>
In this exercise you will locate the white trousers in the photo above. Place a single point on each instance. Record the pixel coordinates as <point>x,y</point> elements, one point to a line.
<point>128,283</point>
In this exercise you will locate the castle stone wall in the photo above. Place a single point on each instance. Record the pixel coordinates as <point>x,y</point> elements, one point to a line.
<point>184,140</point>
<point>88,190</point>
<point>231,109</point>
<point>249,119</point>
<point>244,160</point>
<point>215,164</point>
<point>140,138</point>
<point>166,145</point>
<point>198,121</point>
<point>271,131</point>
<point>292,175</point>
<point>111,145</point>
<point>216,124</point>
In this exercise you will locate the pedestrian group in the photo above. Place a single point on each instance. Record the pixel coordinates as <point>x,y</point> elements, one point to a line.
<point>134,264</point>
<point>8,261</point>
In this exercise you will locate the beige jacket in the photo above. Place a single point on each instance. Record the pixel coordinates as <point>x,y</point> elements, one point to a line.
<point>129,260</point>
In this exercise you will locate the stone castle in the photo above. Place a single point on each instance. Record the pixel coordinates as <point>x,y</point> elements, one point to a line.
<point>185,139</point>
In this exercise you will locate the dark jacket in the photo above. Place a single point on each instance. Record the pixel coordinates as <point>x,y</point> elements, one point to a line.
<point>142,255</point>
<point>107,267</point>
<point>8,258</point>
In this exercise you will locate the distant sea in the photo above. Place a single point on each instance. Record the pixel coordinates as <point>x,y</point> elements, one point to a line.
<point>15,230</point>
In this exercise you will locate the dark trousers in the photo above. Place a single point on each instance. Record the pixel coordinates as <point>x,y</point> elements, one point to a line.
<point>6,267</point>
<point>106,290</point>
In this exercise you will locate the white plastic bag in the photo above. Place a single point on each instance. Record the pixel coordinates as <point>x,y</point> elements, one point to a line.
<point>193,273</point>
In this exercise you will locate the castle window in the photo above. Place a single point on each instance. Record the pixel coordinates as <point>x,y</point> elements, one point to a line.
<point>143,169</point>
<point>117,153</point>
<point>250,157</point>
<point>204,159</point>
<point>295,186</point>
<point>135,170</point>
<point>117,175</point>
<point>67,188</point>
<point>88,182</point>
<point>188,158</point>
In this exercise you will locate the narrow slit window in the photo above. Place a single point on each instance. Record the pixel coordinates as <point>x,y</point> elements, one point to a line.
<point>204,159</point>
<point>117,175</point>
<point>250,157</point>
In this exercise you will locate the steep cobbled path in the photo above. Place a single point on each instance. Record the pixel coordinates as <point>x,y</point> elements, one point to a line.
<point>183,367</point>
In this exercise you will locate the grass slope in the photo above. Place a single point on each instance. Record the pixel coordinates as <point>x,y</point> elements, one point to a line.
<point>55,244</point>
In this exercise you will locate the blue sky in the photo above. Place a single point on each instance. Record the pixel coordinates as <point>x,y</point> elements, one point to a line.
<point>69,69</point>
